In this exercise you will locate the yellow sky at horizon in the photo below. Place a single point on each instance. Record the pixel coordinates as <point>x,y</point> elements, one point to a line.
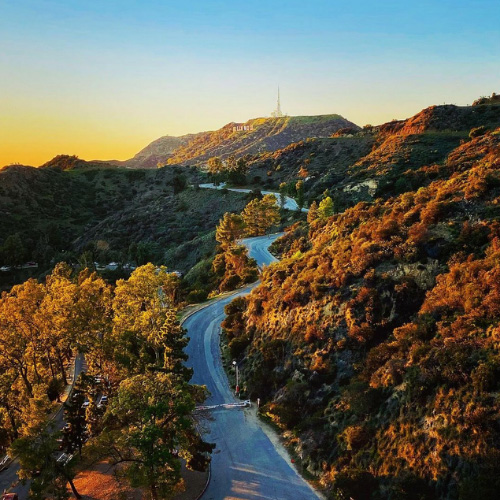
<point>102,80</point>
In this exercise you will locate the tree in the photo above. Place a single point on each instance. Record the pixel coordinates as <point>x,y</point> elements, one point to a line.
<point>303,172</point>
<point>230,229</point>
<point>20,341</point>
<point>74,416</point>
<point>55,315</point>
<point>234,266</point>
<point>13,251</point>
<point>300,194</point>
<point>140,306</point>
<point>261,215</point>
<point>312,215</point>
<point>325,208</point>
<point>172,341</point>
<point>149,429</point>
<point>215,168</point>
<point>237,170</point>
<point>179,183</point>
<point>92,319</point>
<point>38,460</point>
<point>283,192</point>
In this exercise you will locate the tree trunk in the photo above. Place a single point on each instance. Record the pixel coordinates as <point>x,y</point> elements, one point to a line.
<point>35,369</point>
<point>47,352</point>
<point>73,489</point>
<point>61,367</point>
<point>29,388</point>
<point>13,422</point>
<point>154,493</point>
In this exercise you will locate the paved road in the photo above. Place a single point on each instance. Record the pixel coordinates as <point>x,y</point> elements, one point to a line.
<point>9,475</point>
<point>246,465</point>
<point>290,203</point>
<point>258,248</point>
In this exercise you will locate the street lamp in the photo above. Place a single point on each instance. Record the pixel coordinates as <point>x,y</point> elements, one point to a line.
<point>237,384</point>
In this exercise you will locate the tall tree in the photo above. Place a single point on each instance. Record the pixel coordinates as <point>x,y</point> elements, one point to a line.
<point>300,194</point>
<point>140,306</point>
<point>38,460</point>
<point>149,428</point>
<point>13,251</point>
<point>261,215</point>
<point>283,189</point>
<point>325,208</point>
<point>231,227</point>
<point>215,168</point>
<point>312,215</point>
<point>172,341</point>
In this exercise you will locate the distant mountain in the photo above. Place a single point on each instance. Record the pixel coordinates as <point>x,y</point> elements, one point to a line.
<point>255,136</point>
<point>157,152</point>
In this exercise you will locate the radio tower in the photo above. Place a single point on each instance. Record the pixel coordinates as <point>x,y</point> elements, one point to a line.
<point>277,113</point>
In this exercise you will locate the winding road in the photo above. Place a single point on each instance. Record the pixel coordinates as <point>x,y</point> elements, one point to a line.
<point>290,203</point>
<point>248,463</point>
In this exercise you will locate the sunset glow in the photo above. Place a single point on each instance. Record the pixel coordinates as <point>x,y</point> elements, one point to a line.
<point>103,79</point>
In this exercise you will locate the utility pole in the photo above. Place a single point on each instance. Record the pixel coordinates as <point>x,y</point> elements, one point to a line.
<point>237,382</point>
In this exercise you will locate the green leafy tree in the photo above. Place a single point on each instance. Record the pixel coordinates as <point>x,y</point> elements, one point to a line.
<point>216,169</point>
<point>172,341</point>
<point>38,459</point>
<point>237,170</point>
<point>325,208</point>
<point>261,215</point>
<point>13,251</point>
<point>140,306</point>
<point>231,227</point>
<point>149,429</point>
<point>283,189</point>
<point>299,187</point>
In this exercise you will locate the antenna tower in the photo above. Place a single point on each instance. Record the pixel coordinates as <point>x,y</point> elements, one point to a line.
<point>277,113</point>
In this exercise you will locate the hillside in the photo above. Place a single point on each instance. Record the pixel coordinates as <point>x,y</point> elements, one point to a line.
<point>373,343</point>
<point>157,152</point>
<point>72,162</point>
<point>105,214</point>
<point>356,165</point>
<point>263,134</point>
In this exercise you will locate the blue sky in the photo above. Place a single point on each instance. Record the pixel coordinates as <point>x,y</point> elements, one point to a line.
<point>101,79</point>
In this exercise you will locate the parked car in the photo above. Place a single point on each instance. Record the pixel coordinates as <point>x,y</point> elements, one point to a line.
<point>10,496</point>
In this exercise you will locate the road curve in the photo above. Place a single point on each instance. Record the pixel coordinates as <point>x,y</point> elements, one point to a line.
<point>290,203</point>
<point>245,463</point>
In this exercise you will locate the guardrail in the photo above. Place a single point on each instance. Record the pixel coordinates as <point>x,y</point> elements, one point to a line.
<point>243,404</point>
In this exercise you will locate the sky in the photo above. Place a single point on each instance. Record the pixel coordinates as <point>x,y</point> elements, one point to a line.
<point>102,79</point>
